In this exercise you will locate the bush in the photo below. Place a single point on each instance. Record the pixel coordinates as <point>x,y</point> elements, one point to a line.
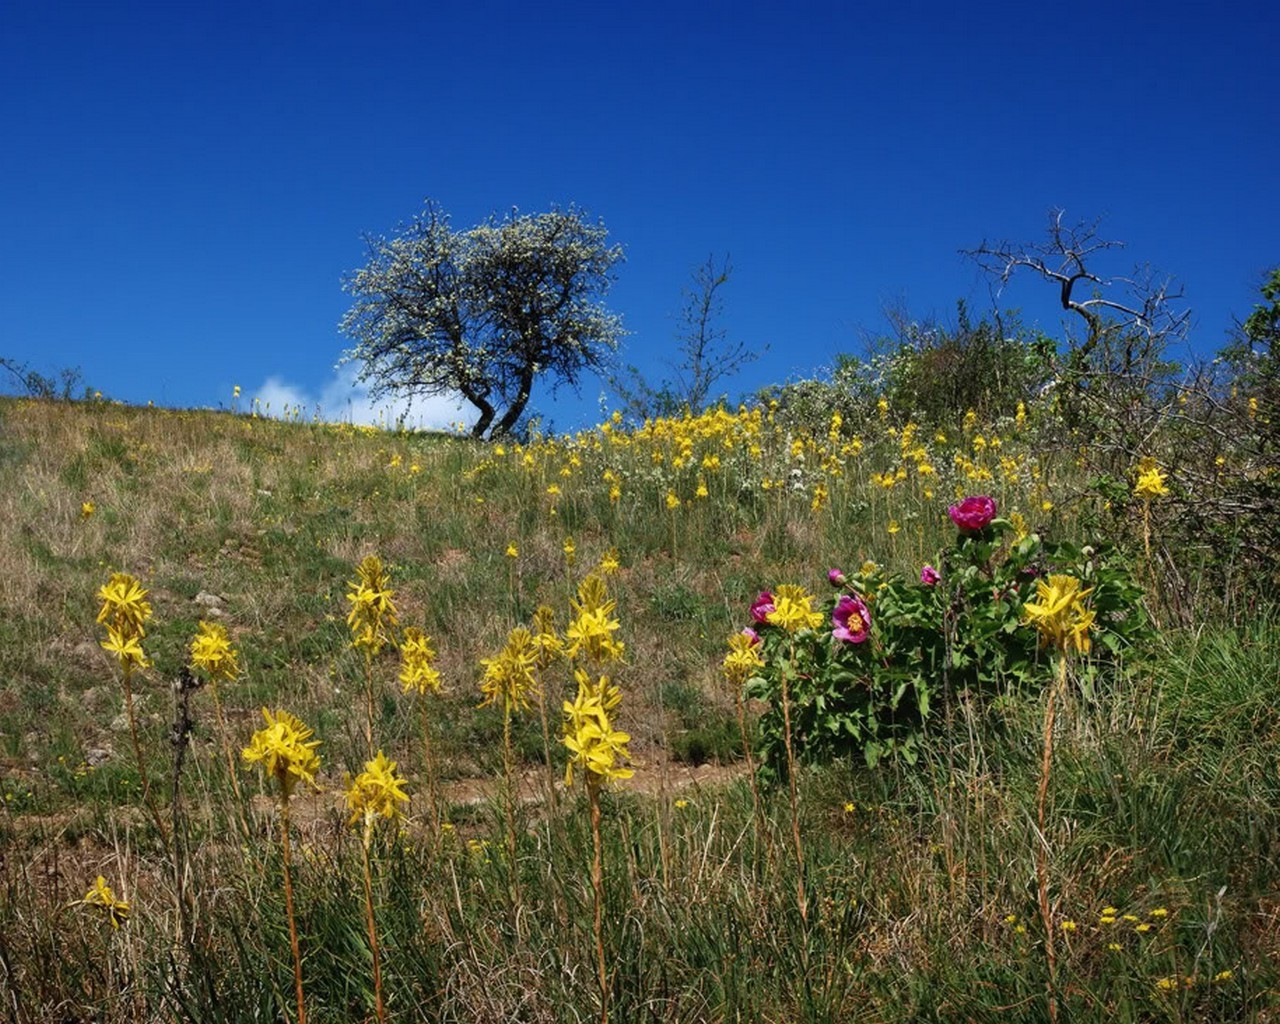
<point>955,630</point>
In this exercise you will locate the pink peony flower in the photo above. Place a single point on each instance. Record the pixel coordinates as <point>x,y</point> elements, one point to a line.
<point>973,514</point>
<point>850,620</point>
<point>762,607</point>
<point>929,575</point>
<point>836,578</point>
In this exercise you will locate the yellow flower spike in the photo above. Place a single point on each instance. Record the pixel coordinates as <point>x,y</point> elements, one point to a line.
<point>793,609</point>
<point>594,745</point>
<point>285,750</point>
<point>512,550</point>
<point>115,909</point>
<point>127,648</point>
<point>743,659</point>
<point>212,653</point>
<point>510,677</point>
<point>125,607</point>
<point>1151,482</point>
<point>376,792</point>
<point>373,612</point>
<point>1059,613</point>
<point>417,658</point>
<point>87,509</point>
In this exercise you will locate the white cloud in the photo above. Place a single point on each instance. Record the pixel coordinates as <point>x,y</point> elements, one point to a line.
<point>342,400</point>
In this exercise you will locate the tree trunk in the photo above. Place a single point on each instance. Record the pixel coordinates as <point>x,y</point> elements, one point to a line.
<point>512,415</point>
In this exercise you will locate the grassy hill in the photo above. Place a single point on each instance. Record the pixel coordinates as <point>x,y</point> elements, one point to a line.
<point>929,881</point>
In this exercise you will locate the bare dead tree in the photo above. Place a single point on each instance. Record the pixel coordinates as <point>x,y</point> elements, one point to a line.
<point>1067,258</point>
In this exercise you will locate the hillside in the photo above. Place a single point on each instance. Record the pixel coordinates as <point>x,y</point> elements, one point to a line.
<point>1148,853</point>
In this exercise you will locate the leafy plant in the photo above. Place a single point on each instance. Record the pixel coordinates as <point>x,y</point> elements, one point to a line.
<point>953,630</point>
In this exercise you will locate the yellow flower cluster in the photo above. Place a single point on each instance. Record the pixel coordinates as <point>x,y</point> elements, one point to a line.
<point>125,611</point>
<point>1060,614</point>
<point>285,750</point>
<point>212,653</point>
<point>373,613</point>
<point>590,632</point>
<point>793,609</point>
<point>1151,481</point>
<point>510,677</point>
<point>595,747</point>
<point>376,792</point>
<point>417,662</point>
<point>743,659</point>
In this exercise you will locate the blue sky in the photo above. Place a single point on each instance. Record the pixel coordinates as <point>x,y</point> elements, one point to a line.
<point>186,185</point>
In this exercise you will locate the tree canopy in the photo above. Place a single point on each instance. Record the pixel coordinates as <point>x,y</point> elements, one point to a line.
<point>483,312</point>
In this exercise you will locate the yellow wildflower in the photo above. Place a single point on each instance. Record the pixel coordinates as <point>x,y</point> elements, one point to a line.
<point>376,792</point>
<point>285,750</point>
<point>417,657</point>
<point>115,909</point>
<point>212,653</point>
<point>793,609</point>
<point>510,676</point>
<point>125,608</point>
<point>1151,484</point>
<point>1059,614</point>
<point>743,659</point>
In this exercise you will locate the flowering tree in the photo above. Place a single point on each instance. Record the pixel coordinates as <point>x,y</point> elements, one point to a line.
<point>483,312</point>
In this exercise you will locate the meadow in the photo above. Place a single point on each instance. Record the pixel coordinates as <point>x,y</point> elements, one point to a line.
<point>1041,805</point>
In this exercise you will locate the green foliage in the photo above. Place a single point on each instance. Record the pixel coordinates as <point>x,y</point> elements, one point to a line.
<point>930,373</point>
<point>934,642</point>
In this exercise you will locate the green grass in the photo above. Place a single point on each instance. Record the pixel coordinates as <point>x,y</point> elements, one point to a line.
<point>1164,794</point>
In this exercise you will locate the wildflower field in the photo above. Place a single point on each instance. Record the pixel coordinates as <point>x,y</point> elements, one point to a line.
<point>718,718</point>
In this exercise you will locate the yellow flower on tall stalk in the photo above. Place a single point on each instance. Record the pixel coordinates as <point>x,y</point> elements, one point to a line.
<point>212,654</point>
<point>417,662</point>
<point>287,753</point>
<point>113,908</point>
<point>87,508</point>
<point>509,678</point>
<point>743,659</point>
<point>125,608</point>
<point>1151,482</point>
<point>371,619</point>
<point>285,750</point>
<point>598,750</point>
<point>595,747</point>
<point>590,631</point>
<point>373,612</point>
<point>418,674</point>
<point>124,612</point>
<point>1063,621</point>
<point>793,609</point>
<point>1059,613</point>
<point>213,657</point>
<point>376,792</point>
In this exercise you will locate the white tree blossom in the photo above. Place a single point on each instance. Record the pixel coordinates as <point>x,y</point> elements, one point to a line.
<point>483,312</point>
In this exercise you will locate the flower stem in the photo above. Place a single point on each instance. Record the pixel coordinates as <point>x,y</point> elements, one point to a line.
<point>373,931</point>
<point>127,672</point>
<point>508,770</point>
<point>597,887</point>
<point>801,900</point>
<point>368,693</point>
<point>288,907</point>
<point>1042,850</point>
<point>428,758</point>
